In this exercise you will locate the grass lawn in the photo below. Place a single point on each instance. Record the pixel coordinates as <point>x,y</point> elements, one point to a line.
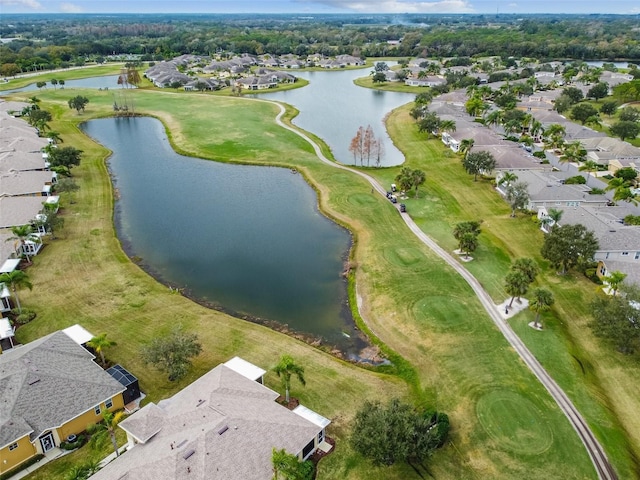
<point>602,383</point>
<point>411,300</point>
<point>367,82</point>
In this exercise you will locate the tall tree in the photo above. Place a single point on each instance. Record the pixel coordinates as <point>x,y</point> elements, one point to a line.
<point>598,91</point>
<point>287,367</point>
<point>625,129</point>
<point>528,266</point>
<point>78,102</point>
<point>517,195</point>
<point>568,245</point>
<point>479,162</point>
<point>418,178</point>
<point>516,284</point>
<point>356,146</point>
<point>541,302</point>
<point>63,159</point>
<point>507,178</point>
<point>172,353</point>
<point>582,112</point>
<point>396,432</point>
<point>368,144</point>
<point>99,343</point>
<point>16,280</point>
<point>616,318</point>
<point>405,179</point>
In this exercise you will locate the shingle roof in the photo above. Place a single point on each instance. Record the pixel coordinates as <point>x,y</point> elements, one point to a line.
<point>607,227</point>
<point>24,183</point>
<point>21,161</point>
<point>222,426</point>
<point>46,383</point>
<point>17,211</point>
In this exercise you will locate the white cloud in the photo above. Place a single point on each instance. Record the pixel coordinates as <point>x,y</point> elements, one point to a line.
<point>398,6</point>
<point>32,4</point>
<point>512,5</point>
<point>70,8</point>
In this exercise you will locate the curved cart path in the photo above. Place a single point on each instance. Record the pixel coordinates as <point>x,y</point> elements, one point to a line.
<point>598,457</point>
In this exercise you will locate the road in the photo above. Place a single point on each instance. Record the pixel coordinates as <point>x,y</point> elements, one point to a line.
<point>602,465</point>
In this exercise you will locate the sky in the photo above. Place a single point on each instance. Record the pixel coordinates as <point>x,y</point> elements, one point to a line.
<point>320,6</point>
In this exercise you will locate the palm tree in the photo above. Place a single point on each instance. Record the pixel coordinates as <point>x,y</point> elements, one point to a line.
<point>553,217</point>
<point>108,426</point>
<point>507,178</point>
<point>468,243</point>
<point>614,279</point>
<point>574,152</point>
<point>536,129</point>
<point>494,118</point>
<point>447,126</point>
<point>55,137</point>
<point>465,146</point>
<point>541,301</point>
<point>516,284</point>
<point>99,344</point>
<point>16,280</point>
<point>25,234</point>
<point>589,166</point>
<point>287,367</point>
<point>418,178</point>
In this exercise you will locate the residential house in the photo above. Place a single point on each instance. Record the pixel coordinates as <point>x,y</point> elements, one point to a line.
<point>223,426</point>
<point>30,183</point>
<point>612,152</point>
<point>614,79</point>
<point>619,248</point>
<point>429,81</point>
<point>52,388</point>
<point>549,192</point>
<point>18,211</point>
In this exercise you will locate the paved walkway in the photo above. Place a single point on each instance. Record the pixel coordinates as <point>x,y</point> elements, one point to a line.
<point>594,449</point>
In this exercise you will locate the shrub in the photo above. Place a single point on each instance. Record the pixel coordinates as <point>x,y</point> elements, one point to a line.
<point>577,180</point>
<point>632,220</point>
<point>80,440</point>
<point>24,317</point>
<point>22,466</point>
<point>596,191</point>
<point>540,154</point>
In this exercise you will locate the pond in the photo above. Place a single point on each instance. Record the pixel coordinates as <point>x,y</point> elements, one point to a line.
<point>246,239</point>
<point>333,107</point>
<point>107,81</point>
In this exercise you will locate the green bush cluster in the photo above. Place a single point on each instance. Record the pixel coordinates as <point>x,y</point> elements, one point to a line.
<point>23,317</point>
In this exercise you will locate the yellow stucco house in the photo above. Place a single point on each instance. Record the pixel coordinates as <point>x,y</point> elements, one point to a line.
<point>49,389</point>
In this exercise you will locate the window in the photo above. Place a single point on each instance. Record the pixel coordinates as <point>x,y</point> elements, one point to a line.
<point>108,403</point>
<point>308,449</point>
<point>13,446</point>
<point>97,409</point>
<point>637,256</point>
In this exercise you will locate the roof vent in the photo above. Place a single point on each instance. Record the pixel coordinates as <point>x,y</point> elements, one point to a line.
<point>223,429</point>
<point>188,453</point>
<point>181,443</point>
<point>200,402</point>
<point>34,381</point>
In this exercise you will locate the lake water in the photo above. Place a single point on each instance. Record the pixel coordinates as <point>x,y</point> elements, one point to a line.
<point>246,238</point>
<point>333,107</point>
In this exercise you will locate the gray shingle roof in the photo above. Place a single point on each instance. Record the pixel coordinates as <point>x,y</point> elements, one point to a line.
<point>46,383</point>
<point>193,434</point>
<point>17,211</point>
